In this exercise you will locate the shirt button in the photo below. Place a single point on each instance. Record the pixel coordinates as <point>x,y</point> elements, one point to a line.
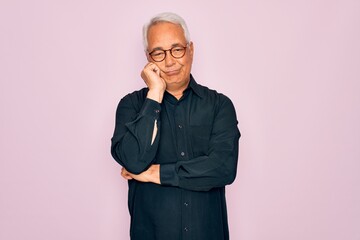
<point>157,111</point>
<point>180,126</point>
<point>186,229</point>
<point>186,204</point>
<point>182,154</point>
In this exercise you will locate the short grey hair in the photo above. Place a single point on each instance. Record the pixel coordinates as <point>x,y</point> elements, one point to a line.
<point>165,17</point>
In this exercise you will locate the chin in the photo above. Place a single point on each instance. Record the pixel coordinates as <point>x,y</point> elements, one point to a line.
<point>173,79</point>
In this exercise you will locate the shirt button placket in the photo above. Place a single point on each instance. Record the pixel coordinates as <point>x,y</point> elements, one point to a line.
<point>182,141</point>
<point>180,126</point>
<point>186,216</point>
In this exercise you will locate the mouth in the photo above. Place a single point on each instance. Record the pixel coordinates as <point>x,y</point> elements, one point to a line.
<point>172,72</point>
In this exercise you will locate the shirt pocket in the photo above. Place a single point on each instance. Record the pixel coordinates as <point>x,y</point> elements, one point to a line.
<point>200,139</point>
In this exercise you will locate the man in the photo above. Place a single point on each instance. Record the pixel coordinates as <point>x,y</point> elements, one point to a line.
<point>177,142</point>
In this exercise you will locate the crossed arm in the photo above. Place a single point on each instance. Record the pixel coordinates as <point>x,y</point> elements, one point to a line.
<point>151,76</point>
<point>152,174</point>
<point>135,149</point>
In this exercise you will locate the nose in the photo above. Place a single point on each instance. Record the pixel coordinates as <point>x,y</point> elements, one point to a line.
<point>169,60</point>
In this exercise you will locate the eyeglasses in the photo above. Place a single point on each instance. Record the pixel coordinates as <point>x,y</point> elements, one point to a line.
<point>159,55</point>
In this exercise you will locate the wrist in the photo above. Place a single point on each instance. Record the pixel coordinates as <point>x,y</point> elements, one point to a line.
<point>156,95</point>
<point>155,173</point>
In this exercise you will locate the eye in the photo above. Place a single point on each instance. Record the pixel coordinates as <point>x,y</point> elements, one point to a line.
<point>157,53</point>
<point>177,49</point>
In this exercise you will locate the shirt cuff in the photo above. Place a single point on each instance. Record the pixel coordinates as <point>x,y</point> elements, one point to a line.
<point>151,108</point>
<point>168,175</point>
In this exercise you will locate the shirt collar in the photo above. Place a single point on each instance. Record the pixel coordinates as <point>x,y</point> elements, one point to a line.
<point>195,87</point>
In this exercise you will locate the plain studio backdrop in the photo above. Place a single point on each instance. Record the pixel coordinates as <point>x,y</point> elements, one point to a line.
<point>292,69</point>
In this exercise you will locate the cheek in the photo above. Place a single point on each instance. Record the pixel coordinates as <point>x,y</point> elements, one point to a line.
<point>161,66</point>
<point>187,66</point>
<point>185,63</point>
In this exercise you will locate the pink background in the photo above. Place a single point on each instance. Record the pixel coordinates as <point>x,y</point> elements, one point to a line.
<point>292,69</point>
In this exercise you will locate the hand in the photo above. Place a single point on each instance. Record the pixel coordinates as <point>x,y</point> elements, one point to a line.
<point>125,174</point>
<point>152,174</point>
<point>151,74</point>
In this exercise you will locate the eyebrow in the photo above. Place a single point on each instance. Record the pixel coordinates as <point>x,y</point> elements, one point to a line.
<point>173,45</point>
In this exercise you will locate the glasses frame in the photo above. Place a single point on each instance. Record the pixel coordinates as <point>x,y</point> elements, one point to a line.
<point>168,50</point>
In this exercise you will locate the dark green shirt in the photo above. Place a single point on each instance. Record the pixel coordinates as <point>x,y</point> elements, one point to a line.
<point>197,148</point>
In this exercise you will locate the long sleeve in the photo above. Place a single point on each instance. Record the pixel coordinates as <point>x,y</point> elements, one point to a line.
<point>196,146</point>
<point>133,145</point>
<point>218,167</point>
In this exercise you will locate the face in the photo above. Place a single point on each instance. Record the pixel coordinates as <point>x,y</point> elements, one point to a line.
<point>175,71</point>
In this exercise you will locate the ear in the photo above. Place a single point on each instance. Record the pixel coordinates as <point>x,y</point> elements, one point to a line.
<point>147,56</point>
<point>191,48</point>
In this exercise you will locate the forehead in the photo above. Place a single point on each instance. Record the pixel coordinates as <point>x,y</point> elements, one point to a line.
<point>164,35</point>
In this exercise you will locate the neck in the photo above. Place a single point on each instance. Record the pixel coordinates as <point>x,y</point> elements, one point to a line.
<point>176,91</point>
<point>177,94</point>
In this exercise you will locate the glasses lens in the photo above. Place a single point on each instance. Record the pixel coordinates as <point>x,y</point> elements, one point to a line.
<point>158,56</point>
<point>178,52</point>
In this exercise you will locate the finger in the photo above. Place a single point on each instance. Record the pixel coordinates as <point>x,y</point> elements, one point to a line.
<point>153,67</point>
<point>157,71</point>
<point>148,69</point>
<point>126,176</point>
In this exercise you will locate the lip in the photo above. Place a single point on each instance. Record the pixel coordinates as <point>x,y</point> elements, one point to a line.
<point>173,72</point>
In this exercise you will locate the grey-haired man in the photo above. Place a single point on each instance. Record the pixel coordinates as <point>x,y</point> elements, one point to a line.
<point>177,142</point>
